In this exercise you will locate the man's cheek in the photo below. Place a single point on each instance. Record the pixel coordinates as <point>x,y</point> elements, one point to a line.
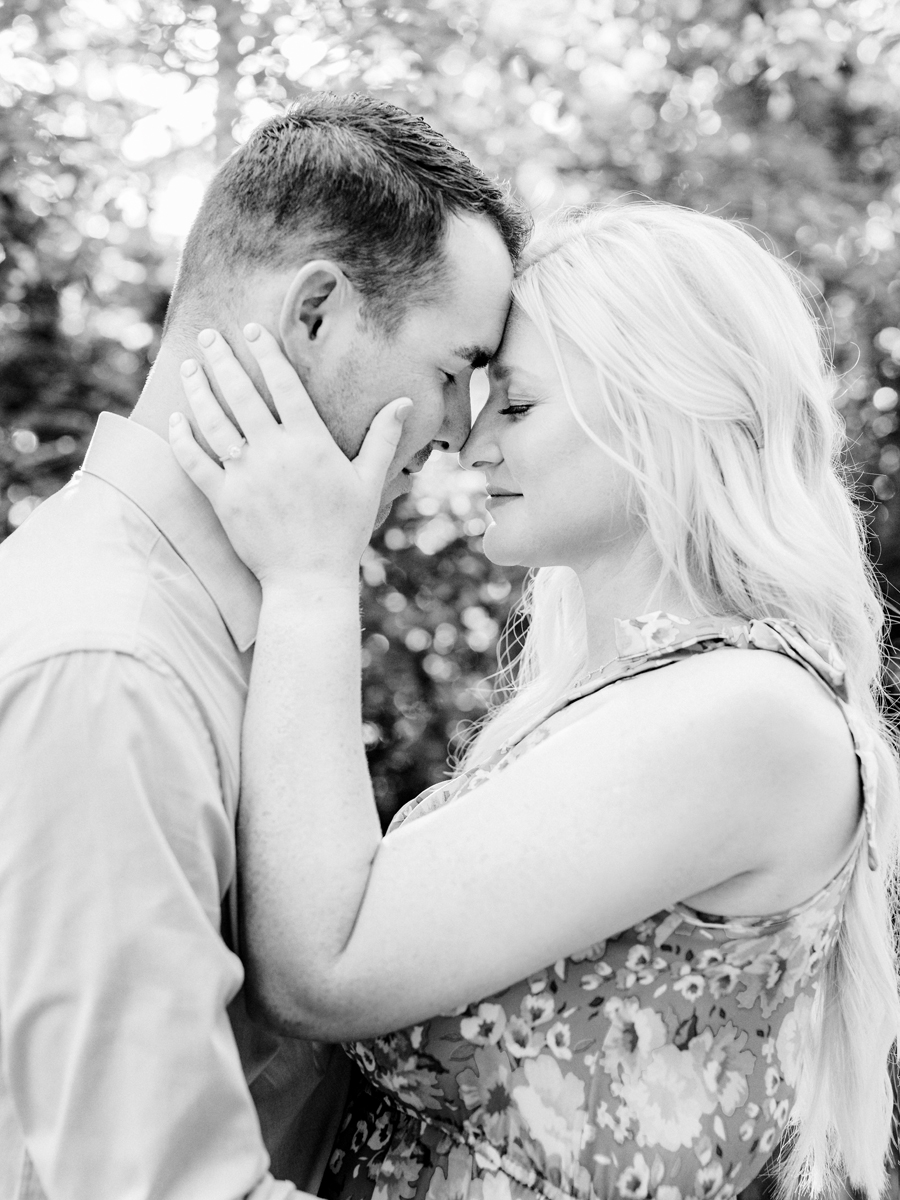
<point>421,429</point>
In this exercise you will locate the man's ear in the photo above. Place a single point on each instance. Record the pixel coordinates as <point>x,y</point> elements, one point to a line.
<point>319,294</point>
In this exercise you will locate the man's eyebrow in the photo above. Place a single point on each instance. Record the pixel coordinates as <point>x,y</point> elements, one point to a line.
<point>476,356</point>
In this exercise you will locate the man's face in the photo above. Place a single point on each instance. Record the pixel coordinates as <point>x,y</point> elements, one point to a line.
<point>430,358</point>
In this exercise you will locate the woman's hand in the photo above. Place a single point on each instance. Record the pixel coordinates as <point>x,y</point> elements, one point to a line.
<point>292,503</point>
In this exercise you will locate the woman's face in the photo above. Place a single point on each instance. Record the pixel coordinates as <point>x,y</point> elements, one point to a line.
<point>555,497</point>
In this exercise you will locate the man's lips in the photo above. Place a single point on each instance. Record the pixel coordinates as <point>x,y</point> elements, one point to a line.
<point>404,480</point>
<point>416,464</point>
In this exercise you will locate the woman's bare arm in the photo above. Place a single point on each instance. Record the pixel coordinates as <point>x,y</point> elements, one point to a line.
<point>689,777</point>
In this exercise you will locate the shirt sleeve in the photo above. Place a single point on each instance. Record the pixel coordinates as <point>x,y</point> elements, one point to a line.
<point>114,855</point>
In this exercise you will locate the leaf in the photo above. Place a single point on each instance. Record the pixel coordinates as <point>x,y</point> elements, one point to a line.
<point>463,1052</point>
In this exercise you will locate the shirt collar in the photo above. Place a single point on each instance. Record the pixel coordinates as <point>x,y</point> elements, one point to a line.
<point>140,464</point>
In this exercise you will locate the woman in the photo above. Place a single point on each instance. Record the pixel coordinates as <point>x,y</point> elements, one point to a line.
<point>659,439</point>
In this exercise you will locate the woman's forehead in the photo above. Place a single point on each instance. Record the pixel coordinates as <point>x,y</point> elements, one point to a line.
<point>523,353</point>
<point>502,370</point>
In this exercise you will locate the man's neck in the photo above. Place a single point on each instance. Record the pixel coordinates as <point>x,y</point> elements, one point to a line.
<point>163,393</point>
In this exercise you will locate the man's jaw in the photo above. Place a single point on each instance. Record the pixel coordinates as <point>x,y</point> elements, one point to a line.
<point>382,515</point>
<point>413,467</point>
<point>401,484</point>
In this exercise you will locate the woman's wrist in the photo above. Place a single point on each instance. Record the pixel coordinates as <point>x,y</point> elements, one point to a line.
<point>307,584</point>
<point>313,621</point>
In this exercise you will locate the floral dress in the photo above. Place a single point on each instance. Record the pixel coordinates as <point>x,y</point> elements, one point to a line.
<point>660,1063</point>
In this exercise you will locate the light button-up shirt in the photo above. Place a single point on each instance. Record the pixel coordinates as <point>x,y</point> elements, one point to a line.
<point>127,1060</point>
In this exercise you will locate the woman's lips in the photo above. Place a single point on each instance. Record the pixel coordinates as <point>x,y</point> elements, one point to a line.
<point>499,497</point>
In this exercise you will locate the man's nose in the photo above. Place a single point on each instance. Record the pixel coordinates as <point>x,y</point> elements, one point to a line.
<point>457,422</point>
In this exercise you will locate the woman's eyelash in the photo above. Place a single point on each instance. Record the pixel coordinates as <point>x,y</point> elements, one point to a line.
<point>514,410</point>
<point>450,378</point>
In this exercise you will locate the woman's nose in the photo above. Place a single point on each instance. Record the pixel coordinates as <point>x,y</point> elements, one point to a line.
<point>480,449</point>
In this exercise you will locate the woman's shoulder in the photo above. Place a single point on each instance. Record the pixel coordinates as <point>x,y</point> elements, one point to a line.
<point>723,696</point>
<point>764,749</point>
<point>801,758</point>
<point>739,729</point>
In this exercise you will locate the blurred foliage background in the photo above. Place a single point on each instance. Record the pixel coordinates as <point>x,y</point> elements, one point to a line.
<point>782,113</point>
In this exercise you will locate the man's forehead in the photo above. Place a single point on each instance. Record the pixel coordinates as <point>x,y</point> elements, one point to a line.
<point>479,275</point>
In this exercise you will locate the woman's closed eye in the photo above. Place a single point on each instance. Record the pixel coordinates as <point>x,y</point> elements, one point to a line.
<point>515,409</point>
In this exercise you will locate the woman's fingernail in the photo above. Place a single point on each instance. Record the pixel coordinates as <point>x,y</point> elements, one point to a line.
<point>175,419</point>
<point>189,366</point>
<point>402,411</point>
<point>252,331</point>
<point>206,337</point>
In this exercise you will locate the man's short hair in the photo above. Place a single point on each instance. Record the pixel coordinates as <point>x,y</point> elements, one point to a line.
<point>348,178</point>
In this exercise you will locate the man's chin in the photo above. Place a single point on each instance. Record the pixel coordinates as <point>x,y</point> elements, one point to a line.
<point>383,513</point>
<point>393,490</point>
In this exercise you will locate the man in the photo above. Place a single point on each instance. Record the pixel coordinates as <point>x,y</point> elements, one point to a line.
<point>382,259</point>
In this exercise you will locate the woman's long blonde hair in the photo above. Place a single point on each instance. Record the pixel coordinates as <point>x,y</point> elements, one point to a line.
<point>710,364</point>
